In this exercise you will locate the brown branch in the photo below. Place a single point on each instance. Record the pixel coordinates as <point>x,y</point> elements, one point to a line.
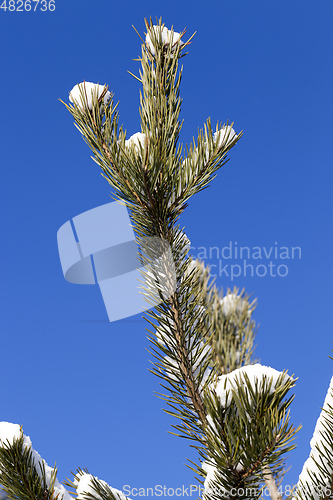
<point>181,349</point>
<point>183,363</point>
<point>261,458</point>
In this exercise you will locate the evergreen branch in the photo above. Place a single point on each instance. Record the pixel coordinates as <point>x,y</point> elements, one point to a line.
<point>89,487</point>
<point>186,370</point>
<point>87,120</point>
<point>231,329</point>
<point>112,163</point>
<point>198,336</point>
<point>203,162</point>
<point>184,363</point>
<point>316,478</point>
<point>20,477</point>
<point>248,432</point>
<point>258,464</point>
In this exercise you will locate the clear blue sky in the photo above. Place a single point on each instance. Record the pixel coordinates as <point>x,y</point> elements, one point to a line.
<point>78,384</point>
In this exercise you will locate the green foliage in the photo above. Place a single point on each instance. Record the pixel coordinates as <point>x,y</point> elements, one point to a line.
<point>96,490</point>
<point>248,435</point>
<point>233,334</point>
<point>21,478</point>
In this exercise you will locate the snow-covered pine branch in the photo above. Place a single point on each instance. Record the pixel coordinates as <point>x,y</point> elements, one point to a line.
<point>24,474</point>
<point>316,478</point>
<point>249,431</point>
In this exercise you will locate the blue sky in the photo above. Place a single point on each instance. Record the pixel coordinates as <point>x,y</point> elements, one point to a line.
<point>78,384</point>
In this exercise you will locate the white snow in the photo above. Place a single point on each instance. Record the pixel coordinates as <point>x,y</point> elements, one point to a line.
<point>162,333</point>
<point>224,136</point>
<point>135,140</point>
<point>84,485</point>
<point>193,266</point>
<point>255,372</point>
<point>162,34</point>
<point>181,236</point>
<point>233,304</point>
<point>210,469</point>
<point>89,89</point>
<point>9,432</point>
<point>316,444</point>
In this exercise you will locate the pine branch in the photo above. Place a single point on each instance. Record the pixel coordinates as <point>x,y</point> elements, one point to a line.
<point>89,487</point>
<point>316,478</point>
<point>183,357</point>
<point>249,430</point>
<point>24,474</point>
<point>197,336</point>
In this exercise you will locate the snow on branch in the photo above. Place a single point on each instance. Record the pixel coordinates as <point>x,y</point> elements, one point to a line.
<point>161,35</point>
<point>9,433</point>
<point>317,473</point>
<point>256,374</point>
<point>89,486</point>
<point>83,94</point>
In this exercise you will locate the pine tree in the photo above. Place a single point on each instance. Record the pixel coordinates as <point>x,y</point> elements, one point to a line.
<point>234,411</point>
